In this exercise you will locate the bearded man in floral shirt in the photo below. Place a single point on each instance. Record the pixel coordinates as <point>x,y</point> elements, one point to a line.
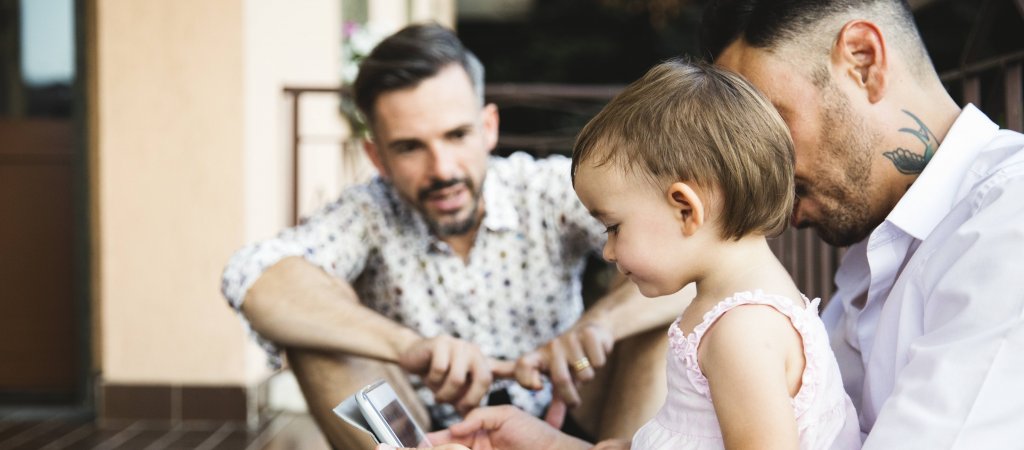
<point>453,274</point>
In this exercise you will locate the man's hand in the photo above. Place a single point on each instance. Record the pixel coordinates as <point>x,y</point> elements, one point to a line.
<point>455,370</point>
<point>502,427</point>
<point>569,360</point>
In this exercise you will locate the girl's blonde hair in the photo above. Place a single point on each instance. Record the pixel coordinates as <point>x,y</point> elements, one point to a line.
<point>702,124</point>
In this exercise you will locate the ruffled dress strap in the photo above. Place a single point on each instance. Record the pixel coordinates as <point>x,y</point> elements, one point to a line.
<point>802,317</point>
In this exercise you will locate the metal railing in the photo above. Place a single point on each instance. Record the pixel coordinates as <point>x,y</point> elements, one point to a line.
<point>993,85</point>
<point>554,113</point>
<point>811,262</point>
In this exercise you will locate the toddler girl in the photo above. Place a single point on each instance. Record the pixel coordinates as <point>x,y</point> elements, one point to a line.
<point>690,168</point>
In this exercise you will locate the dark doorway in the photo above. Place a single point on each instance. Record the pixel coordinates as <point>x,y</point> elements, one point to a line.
<point>44,348</point>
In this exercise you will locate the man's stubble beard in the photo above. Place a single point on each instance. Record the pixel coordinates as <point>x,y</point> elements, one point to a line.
<point>461,227</point>
<point>849,214</point>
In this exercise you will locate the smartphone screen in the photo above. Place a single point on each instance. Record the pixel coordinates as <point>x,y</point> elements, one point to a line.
<point>407,432</point>
<point>389,418</point>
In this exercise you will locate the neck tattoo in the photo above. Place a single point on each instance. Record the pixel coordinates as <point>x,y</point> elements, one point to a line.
<point>908,162</point>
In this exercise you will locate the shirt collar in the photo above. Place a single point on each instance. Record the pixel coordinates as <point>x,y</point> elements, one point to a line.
<point>499,211</point>
<point>934,193</point>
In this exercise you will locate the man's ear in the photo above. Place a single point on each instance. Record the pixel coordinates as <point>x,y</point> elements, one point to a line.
<point>490,125</point>
<point>688,205</point>
<point>861,55</point>
<point>372,152</point>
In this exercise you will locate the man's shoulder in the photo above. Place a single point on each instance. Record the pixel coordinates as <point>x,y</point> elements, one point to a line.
<point>523,164</point>
<point>374,194</point>
<point>1010,145</point>
<point>525,180</point>
<point>1001,163</point>
<point>988,198</point>
<point>373,189</point>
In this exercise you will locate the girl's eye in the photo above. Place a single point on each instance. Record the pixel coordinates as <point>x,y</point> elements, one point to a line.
<point>611,229</point>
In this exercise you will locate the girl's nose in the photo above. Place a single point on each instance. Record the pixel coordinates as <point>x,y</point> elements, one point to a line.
<point>607,253</point>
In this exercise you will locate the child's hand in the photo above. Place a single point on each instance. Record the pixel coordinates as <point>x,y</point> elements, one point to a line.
<point>440,447</point>
<point>501,427</point>
<point>612,444</point>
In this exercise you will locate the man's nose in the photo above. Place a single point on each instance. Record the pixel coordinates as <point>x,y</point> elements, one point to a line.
<point>442,165</point>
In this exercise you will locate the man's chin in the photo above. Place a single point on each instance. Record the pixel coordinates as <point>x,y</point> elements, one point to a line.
<point>452,226</point>
<point>838,238</point>
<point>831,236</point>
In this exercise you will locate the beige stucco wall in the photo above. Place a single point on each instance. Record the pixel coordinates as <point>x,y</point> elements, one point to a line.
<point>190,163</point>
<point>169,133</point>
<point>189,158</point>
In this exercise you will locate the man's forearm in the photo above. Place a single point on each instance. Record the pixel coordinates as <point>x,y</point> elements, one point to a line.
<point>627,312</point>
<point>294,303</point>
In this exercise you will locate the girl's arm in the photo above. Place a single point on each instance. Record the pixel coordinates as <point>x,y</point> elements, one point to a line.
<point>753,360</point>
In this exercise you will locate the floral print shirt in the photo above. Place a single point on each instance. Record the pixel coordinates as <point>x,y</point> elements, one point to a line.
<point>519,288</point>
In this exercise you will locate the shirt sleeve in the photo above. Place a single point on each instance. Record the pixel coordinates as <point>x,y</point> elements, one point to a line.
<point>334,239</point>
<point>960,386</point>
<point>582,233</point>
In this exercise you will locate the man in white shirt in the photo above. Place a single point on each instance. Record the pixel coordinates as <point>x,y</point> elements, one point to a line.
<point>449,266</point>
<point>928,320</point>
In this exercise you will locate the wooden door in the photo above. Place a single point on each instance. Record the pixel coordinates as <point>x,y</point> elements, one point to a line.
<point>36,260</point>
<point>42,312</point>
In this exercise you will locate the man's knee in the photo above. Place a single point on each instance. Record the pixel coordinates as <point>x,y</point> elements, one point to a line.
<point>629,390</point>
<point>328,378</point>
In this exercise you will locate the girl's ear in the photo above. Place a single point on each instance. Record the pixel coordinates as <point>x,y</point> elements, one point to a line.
<point>689,207</point>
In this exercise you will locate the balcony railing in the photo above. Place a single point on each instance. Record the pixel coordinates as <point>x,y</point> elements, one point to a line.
<point>811,262</point>
<point>993,85</point>
<point>558,111</point>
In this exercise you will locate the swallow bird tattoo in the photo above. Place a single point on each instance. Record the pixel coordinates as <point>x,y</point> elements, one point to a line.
<point>907,161</point>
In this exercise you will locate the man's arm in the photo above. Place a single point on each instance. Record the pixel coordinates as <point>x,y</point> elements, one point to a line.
<point>623,312</point>
<point>626,312</point>
<point>294,303</point>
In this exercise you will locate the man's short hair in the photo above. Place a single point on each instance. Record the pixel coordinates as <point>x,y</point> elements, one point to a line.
<point>406,58</point>
<point>698,123</point>
<point>809,26</point>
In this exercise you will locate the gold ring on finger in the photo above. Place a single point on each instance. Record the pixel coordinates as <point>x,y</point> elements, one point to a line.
<point>581,364</point>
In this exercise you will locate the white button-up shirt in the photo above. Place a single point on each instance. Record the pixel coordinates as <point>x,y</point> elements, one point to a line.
<point>519,289</point>
<point>933,356</point>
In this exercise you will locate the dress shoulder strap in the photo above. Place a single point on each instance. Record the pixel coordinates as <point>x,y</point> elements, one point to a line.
<point>784,305</point>
<point>802,316</point>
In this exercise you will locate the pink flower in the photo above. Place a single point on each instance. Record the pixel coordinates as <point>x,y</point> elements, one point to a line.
<point>349,28</point>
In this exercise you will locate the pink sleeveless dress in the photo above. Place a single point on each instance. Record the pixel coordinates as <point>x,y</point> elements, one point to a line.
<point>825,416</point>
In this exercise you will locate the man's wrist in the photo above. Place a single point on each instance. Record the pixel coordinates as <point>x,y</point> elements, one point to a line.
<point>403,340</point>
<point>602,319</point>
